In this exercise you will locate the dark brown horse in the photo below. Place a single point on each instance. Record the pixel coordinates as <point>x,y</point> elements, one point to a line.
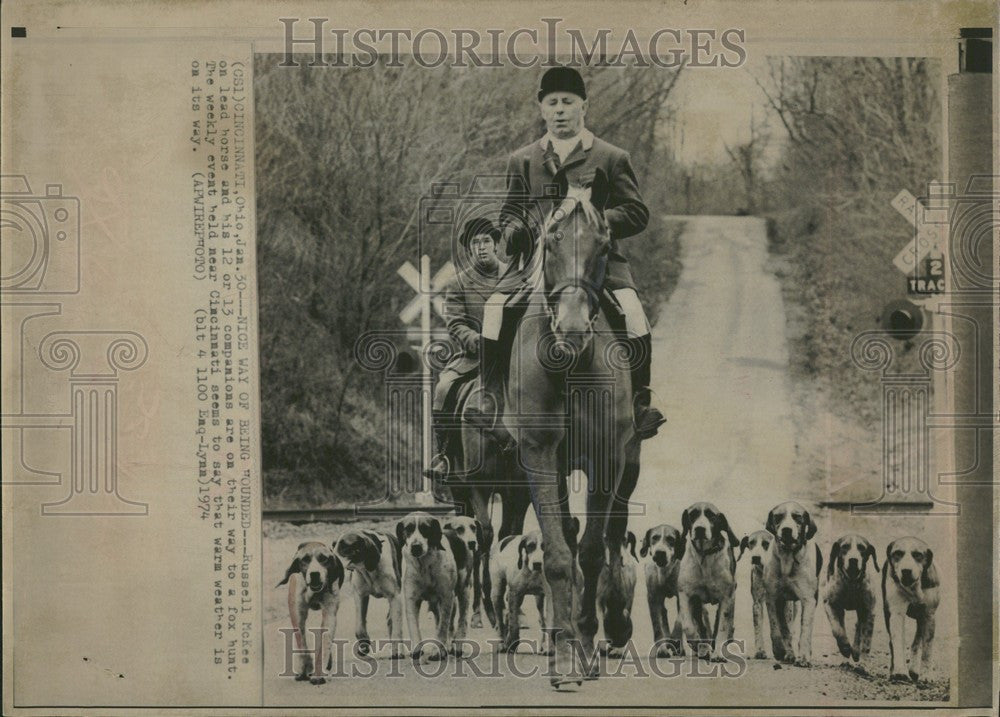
<point>568,403</point>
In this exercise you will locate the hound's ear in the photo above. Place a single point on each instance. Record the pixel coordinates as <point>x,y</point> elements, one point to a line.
<point>743,546</point>
<point>521,555</point>
<point>631,544</point>
<point>644,550</point>
<point>888,552</point>
<point>834,554</point>
<point>929,576</point>
<point>479,534</point>
<point>434,539</point>
<point>733,542</point>
<point>679,547</point>
<point>685,524</point>
<point>870,550</point>
<point>771,527</point>
<point>600,190</point>
<point>292,569</point>
<point>336,572</point>
<point>399,534</point>
<point>373,554</point>
<point>810,526</point>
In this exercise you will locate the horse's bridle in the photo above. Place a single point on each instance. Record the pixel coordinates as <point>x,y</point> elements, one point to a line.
<point>593,288</point>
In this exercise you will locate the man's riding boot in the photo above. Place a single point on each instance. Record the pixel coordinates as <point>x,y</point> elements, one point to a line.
<point>485,411</point>
<point>647,418</point>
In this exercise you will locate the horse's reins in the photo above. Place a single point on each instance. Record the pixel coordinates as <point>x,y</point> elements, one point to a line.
<point>593,289</point>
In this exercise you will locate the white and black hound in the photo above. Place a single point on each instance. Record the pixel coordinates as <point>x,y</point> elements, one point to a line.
<point>316,578</point>
<point>515,571</point>
<point>792,574</point>
<point>664,547</point>
<point>373,559</point>
<point>470,531</point>
<point>759,545</point>
<point>435,570</point>
<point>848,587</point>
<point>909,589</point>
<point>707,576</point>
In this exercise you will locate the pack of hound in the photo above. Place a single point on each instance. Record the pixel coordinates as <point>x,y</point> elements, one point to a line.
<point>436,562</point>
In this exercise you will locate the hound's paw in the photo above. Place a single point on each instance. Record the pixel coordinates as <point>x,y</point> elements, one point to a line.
<point>476,621</point>
<point>914,676</point>
<point>432,651</point>
<point>458,648</point>
<point>717,657</point>
<point>616,653</point>
<point>760,655</point>
<point>388,651</point>
<point>301,677</point>
<point>667,650</point>
<point>789,658</point>
<point>317,680</point>
<point>899,677</point>
<point>545,648</point>
<point>801,662</point>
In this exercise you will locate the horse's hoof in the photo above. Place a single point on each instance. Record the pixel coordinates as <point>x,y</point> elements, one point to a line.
<point>801,662</point>
<point>301,678</point>
<point>760,655</point>
<point>317,680</point>
<point>914,676</point>
<point>899,677</point>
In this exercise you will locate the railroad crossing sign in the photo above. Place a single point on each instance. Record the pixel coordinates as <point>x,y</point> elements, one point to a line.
<point>411,275</point>
<point>922,259</point>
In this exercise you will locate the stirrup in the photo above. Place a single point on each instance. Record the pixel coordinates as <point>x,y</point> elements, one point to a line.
<point>434,472</point>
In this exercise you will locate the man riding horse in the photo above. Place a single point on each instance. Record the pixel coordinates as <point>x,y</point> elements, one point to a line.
<point>567,153</point>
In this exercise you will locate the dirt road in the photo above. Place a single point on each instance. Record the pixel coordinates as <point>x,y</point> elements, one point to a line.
<point>721,374</point>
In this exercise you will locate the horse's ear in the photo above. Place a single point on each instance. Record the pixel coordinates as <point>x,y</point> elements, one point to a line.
<point>631,544</point>
<point>600,189</point>
<point>929,577</point>
<point>563,181</point>
<point>479,534</point>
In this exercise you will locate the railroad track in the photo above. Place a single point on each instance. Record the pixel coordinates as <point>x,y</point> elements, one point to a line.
<point>350,515</point>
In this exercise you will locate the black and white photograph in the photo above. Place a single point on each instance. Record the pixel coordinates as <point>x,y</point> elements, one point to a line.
<point>463,358</point>
<point>630,339</point>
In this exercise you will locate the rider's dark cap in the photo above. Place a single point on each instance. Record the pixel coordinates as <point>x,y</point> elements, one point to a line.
<point>562,79</point>
<point>475,227</point>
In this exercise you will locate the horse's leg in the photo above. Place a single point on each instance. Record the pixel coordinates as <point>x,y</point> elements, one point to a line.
<point>592,556</point>
<point>480,499</point>
<point>558,560</point>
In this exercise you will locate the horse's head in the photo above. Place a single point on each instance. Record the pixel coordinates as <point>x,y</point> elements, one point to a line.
<point>577,241</point>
